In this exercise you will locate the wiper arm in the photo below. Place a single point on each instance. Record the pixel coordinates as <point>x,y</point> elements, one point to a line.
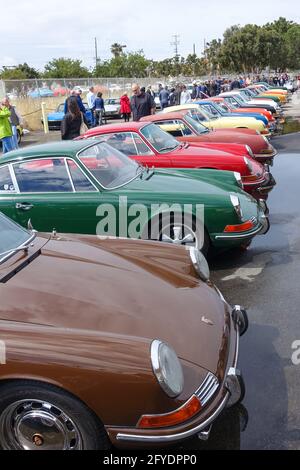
<point>24,247</point>
<point>168,148</point>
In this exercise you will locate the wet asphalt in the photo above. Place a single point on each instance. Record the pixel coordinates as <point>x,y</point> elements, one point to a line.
<point>264,279</point>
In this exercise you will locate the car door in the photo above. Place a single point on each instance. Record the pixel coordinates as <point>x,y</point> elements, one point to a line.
<point>53,195</point>
<point>7,191</point>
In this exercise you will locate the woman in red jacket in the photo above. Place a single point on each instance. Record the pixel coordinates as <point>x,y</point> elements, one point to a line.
<point>125,107</point>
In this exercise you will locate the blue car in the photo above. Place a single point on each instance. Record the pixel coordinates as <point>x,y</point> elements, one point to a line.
<point>54,119</point>
<point>217,111</point>
<point>43,92</point>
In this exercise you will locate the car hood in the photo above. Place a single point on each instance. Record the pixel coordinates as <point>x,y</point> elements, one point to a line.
<point>119,287</point>
<point>255,141</point>
<point>203,150</point>
<point>179,183</point>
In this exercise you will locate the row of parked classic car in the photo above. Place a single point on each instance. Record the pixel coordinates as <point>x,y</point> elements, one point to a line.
<point>115,341</point>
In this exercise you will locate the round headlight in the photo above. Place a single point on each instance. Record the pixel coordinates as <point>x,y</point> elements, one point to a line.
<point>249,150</point>
<point>200,263</point>
<point>248,164</point>
<point>167,368</point>
<point>238,178</point>
<point>237,206</point>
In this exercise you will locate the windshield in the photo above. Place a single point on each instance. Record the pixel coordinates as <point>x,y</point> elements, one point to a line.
<point>159,139</point>
<point>11,235</point>
<point>240,99</point>
<point>196,125</point>
<point>110,167</point>
<point>209,114</point>
<point>219,108</point>
<point>61,108</point>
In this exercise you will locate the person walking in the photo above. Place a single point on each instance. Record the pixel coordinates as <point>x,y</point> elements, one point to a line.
<point>5,129</point>
<point>185,96</point>
<point>142,104</point>
<point>15,121</point>
<point>164,98</point>
<point>99,109</point>
<point>125,109</point>
<point>71,123</point>
<point>91,97</point>
<point>75,95</point>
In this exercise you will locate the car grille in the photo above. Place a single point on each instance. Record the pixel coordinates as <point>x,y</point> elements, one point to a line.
<point>207,389</point>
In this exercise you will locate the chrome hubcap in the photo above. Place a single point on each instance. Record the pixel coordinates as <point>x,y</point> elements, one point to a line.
<point>179,235</point>
<point>37,425</point>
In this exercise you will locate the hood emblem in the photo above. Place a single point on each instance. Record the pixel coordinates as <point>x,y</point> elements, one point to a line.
<point>206,320</point>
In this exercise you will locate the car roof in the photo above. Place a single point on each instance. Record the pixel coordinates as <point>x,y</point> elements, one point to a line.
<point>165,116</point>
<point>122,126</point>
<point>60,148</point>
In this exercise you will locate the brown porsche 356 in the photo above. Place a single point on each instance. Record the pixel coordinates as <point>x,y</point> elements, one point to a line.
<point>110,342</point>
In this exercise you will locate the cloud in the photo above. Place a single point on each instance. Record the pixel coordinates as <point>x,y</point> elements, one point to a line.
<point>38,32</point>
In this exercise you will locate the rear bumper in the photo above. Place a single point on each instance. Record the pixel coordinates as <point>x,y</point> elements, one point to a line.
<point>229,389</point>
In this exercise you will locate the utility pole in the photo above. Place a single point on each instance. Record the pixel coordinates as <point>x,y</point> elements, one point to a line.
<point>176,43</point>
<point>96,53</point>
<point>194,49</point>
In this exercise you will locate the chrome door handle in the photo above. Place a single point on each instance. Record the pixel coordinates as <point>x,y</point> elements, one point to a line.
<point>24,206</point>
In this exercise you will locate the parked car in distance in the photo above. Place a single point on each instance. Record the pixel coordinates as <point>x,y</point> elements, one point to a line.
<point>221,123</point>
<point>186,129</point>
<point>68,185</point>
<point>112,108</point>
<point>55,118</point>
<point>149,145</point>
<point>81,323</point>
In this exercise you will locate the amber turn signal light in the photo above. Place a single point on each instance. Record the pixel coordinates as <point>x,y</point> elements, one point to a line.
<point>240,227</point>
<point>185,412</point>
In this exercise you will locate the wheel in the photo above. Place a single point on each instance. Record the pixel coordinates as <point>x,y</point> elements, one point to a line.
<point>38,416</point>
<point>178,230</point>
<point>243,321</point>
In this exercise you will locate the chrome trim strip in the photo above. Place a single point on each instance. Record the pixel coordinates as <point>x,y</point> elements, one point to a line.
<point>178,436</point>
<point>69,174</point>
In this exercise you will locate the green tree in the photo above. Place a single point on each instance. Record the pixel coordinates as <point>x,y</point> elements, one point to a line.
<point>65,68</point>
<point>20,72</point>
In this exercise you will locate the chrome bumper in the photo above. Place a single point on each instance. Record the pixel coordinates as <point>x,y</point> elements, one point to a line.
<point>232,386</point>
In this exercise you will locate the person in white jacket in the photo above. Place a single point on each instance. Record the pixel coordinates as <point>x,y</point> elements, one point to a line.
<point>185,96</point>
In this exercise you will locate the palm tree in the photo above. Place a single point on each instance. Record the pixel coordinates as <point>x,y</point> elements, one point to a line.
<point>117,49</point>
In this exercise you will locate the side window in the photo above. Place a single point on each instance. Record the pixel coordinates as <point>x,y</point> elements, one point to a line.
<point>121,141</point>
<point>43,176</point>
<point>6,183</point>
<point>141,147</point>
<point>185,130</point>
<point>80,181</point>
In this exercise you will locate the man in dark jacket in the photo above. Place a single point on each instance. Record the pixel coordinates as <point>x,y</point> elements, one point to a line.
<point>75,94</point>
<point>142,104</point>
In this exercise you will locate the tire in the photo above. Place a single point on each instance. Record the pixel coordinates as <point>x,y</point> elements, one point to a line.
<point>39,416</point>
<point>189,227</point>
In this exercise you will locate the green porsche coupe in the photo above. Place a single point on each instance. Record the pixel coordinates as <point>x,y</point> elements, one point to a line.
<point>89,187</point>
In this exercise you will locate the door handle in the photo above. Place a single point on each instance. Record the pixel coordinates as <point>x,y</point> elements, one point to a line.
<point>24,206</point>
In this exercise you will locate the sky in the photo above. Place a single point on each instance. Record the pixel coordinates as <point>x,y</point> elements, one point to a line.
<point>35,32</point>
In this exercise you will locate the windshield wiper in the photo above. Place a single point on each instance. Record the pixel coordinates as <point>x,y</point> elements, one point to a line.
<point>24,247</point>
<point>168,148</point>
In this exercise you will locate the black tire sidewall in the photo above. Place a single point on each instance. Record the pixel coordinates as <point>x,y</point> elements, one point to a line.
<point>92,432</point>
